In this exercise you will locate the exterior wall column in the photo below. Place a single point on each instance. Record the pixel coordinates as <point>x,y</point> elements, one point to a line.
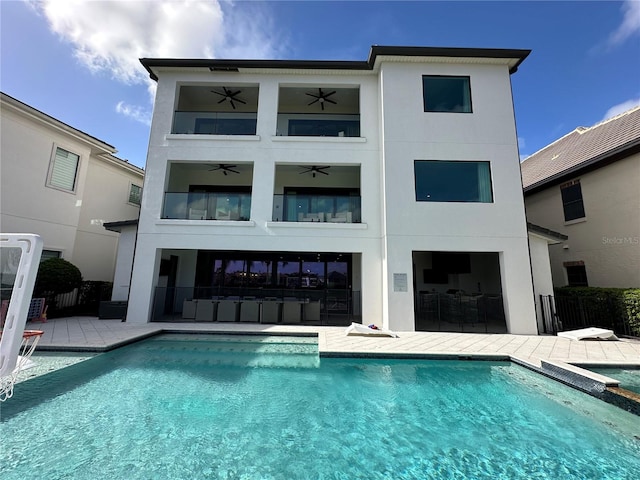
<point>517,290</point>
<point>143,282</point>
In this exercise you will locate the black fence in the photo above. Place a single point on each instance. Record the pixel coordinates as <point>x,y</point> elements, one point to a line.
<point>573,313</point>
<point>84,300</point>
<point>455,312</point>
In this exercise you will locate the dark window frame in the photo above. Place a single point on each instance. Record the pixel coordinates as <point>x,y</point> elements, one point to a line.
<point>425,94</point>
<point>572,206</point>
<point>577,276</point>
<point>422,197</point>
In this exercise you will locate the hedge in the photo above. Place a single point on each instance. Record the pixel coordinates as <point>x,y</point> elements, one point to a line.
<point>624,302</point>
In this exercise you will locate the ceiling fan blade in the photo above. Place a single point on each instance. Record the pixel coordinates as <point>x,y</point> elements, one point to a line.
<point>322,105</point>
<point>312,95</point>
<point>322,172</point>
<point>232,170</point>
<point>329,94</point>
<point>232,104</point>
<point>316,100</point>
<point>330,101</point>
<point>240,101</point>
<point>223,99</point>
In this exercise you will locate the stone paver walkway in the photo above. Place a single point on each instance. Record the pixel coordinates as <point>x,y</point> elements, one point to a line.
<point>82,333</point>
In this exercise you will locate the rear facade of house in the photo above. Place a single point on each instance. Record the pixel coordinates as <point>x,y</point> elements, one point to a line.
<point>325,192</point>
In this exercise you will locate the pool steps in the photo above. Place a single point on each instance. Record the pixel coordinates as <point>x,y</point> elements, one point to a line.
<point>235,350</point>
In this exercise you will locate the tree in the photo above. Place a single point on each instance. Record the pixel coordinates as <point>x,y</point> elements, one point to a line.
<point>56,276</point>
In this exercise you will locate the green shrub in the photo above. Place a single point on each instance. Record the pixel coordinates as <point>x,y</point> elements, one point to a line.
<point>56,276</point>
<point>621,304</point>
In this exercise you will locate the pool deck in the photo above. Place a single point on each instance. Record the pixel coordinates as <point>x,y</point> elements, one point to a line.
<point>93,334</point>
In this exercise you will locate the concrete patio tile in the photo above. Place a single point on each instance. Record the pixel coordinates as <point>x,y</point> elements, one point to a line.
<point>90,332</point>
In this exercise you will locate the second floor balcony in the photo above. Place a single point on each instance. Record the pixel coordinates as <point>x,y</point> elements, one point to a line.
<point>231,206</point>
<point>214,123</point>
<point>308,207</point>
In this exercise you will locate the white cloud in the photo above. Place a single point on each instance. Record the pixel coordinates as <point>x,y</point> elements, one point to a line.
<point>621,108</point>
<point>137,113</point>
<point>630,23</point>
<point>111,36</point>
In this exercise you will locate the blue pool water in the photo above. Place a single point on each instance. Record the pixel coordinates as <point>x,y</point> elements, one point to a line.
<point>628,378</point>
<point>269,408</point>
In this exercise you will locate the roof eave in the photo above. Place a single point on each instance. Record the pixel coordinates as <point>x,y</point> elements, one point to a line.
<point>550,235</point>
<point>517,57</point>
<point>97,146</point>
<point>602,160</point>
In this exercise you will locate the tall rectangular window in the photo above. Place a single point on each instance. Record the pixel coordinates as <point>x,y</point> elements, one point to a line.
<point>446,181</point>
<point>135,194</point>
<point>63,171</point>
<point>572,203</point>
<point>446,93</point>
<point>577,276</point>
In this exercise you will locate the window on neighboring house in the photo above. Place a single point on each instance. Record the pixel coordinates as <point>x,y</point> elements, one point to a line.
<point>446,93</point>
<point>63,171</point>
<point>572,203</point>
<point>135,194</point>
<point>577,276</point>
<point>47,254</point>
<point>446,181</point>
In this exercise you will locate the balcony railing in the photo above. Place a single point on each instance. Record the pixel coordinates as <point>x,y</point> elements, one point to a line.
<point>206,206</point>
<point>318,125</point>
<point>316,208</point>
<point>213,123</point>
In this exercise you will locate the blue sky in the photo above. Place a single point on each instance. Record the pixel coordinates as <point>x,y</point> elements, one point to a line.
<point>78,60</point>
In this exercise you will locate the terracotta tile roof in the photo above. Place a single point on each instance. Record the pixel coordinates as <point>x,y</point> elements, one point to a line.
<point>581,147</point>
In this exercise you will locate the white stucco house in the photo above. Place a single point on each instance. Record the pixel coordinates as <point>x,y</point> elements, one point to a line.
<point>586,185</point>
<point>63,184</point>
<point>384,191</point>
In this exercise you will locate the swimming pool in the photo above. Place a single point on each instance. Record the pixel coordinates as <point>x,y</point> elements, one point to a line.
<point>628,378</point>
<point>195,407</point>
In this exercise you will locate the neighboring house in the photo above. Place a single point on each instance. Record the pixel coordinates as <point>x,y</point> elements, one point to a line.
<point>341,189</point>
<point>63,184</point>
<point>587,185</point>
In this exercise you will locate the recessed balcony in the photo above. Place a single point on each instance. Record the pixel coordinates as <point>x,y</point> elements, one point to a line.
<point>207,206</point>
<point>318,112</point>
<point>216,109</point>
<point>208,191</point>
<point>317,194</point>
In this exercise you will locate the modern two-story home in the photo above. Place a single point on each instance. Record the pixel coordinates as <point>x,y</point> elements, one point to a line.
<point>64,184</point>
<point>586,185</point>
<point>383,191</point>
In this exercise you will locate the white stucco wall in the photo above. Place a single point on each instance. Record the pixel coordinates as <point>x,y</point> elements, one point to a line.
<point>124,263</point>
<point>395,131</point>
<point>541,270</point>
<point>106,200</point>
<point>69,222</point>
<point>607,240</point>
<point>488,134</point>
<point>265,151</point>
<point>27,204</point>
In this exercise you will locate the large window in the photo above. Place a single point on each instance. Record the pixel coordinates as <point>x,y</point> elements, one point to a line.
<point>63,171</point>
<point>237,273</point>
<point>445,181</point>
<point>135,194</point>
<point>446,94</point>
<point>572,203</point>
